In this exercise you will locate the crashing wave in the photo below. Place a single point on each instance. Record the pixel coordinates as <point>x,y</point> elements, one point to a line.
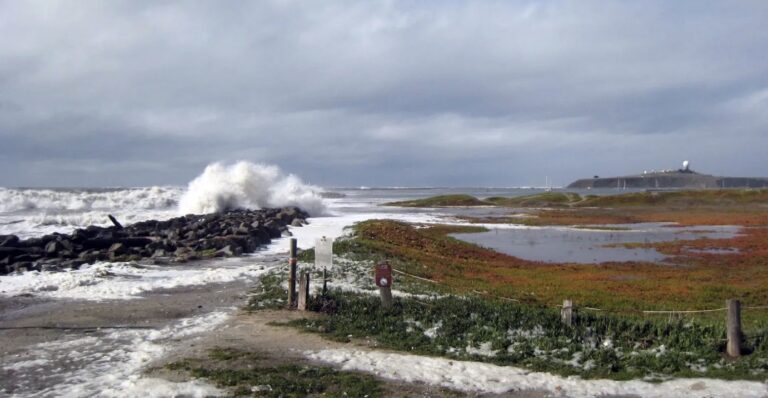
<point>247,185</point>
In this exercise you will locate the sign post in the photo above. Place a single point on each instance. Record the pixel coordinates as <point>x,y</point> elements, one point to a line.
<point>324,258</point>
<point>383,279</point>
<point>292,261</point>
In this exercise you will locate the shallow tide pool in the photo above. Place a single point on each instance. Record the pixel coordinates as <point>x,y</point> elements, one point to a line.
<point>590,246</point>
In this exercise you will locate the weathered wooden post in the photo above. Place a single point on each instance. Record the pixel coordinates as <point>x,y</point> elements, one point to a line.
<point>383,279</point>
<point>733,327</point>
<point>303,291</point>
<point>566,313</point>
<point>114,221</point>
<point>292,275</point>
<point>325,283</point>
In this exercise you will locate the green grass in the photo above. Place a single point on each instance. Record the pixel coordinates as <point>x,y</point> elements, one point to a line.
<point>442,201</point>
<point>546,199</point>
<point>270,294</point>
<point>246,374</point>
<point>533,337</point>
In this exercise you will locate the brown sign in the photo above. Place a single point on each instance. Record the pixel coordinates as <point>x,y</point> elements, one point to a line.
<point>383,275</point>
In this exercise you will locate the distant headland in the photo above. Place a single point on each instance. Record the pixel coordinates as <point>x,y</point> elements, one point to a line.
<point>684,177</point>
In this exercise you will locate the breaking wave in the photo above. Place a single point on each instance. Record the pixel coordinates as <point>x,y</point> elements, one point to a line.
<point>149,198</point>
<point>250,186</point>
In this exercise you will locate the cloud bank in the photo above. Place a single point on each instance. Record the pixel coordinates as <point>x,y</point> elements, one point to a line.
<point>380,93</point>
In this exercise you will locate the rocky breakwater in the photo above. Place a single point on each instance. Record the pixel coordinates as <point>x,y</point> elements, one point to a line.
<point>180,239</point>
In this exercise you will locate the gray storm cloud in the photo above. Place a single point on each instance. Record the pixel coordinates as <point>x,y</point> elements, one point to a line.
<point>380,93</point>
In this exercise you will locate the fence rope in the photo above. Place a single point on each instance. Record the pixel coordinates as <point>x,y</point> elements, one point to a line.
<point>416,277</point>
<point>683,311</point>
<point>499,297</point>
<point>649,312</point>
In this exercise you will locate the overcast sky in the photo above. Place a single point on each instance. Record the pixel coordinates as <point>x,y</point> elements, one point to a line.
<point>411,93</point>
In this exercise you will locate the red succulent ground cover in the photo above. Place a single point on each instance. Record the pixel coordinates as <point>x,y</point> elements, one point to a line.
<point>694,278</point>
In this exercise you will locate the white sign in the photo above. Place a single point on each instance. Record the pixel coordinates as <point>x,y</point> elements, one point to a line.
<point>324,253</point>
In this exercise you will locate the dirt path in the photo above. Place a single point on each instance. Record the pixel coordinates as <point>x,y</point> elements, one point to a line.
<point>257,332</point>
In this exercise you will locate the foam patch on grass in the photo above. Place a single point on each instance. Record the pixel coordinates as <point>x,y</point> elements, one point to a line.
<point>487,378</point>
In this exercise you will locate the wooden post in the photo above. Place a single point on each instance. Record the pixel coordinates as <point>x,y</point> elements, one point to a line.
<point>566,314</point>
<point>114,221</point>
<point>292,275</point>
<point>303,291</point>
<point>325,283</point>
<point>383,278</point>
<point>386,296</point>
<point>734,327</point>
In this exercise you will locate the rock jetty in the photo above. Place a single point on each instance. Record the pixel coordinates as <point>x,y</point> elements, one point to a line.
<point>180,239</point>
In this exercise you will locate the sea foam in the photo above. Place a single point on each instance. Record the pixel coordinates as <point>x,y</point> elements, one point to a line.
<point>51,200</point>
<point>247,185</point>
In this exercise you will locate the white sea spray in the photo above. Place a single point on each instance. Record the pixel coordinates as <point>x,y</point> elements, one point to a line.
<point>247,185</point>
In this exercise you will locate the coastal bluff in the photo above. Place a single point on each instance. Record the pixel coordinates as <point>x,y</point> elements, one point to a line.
<point>675,179</point>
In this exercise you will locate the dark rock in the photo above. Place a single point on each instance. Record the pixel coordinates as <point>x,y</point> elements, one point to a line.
<point>98,243</point>
<point>182,251</point>
<point>26,257</point>
<point>66,254</point>
<point>53,247</point>
<point>229,251</point>
<point>22,266</point>
<point>183,239</point>
<point>32,242</point>
<point>117,249</point>
<point>88,256</point>
<point>79,235</point>
<point>6,252</point>
<point>72,264</point>
<point>51,266</point>
<point>8,240</point>
<point>273,229</point>
<point>66,244</point>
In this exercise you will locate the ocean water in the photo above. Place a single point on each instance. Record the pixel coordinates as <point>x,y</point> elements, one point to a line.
<point>29,212</point>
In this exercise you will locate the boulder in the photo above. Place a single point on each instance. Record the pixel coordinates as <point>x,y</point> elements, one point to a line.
<point>6,252</point>
<point>229,251</point>
<point>183,238</point>
<point>23,266</point>
<point>8,240</point>
<point>117,249</point>
<point>53,247</point>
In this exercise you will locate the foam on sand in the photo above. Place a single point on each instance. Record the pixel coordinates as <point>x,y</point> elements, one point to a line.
<point>249,186</point>
<point>335,227</point>
<point>114,281</point>
<point>487,378</point>
<point>108,365</point>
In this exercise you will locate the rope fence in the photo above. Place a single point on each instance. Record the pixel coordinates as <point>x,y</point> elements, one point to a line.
<point>415,277</point>
<point>733,343</point>
<point>645,312</point>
